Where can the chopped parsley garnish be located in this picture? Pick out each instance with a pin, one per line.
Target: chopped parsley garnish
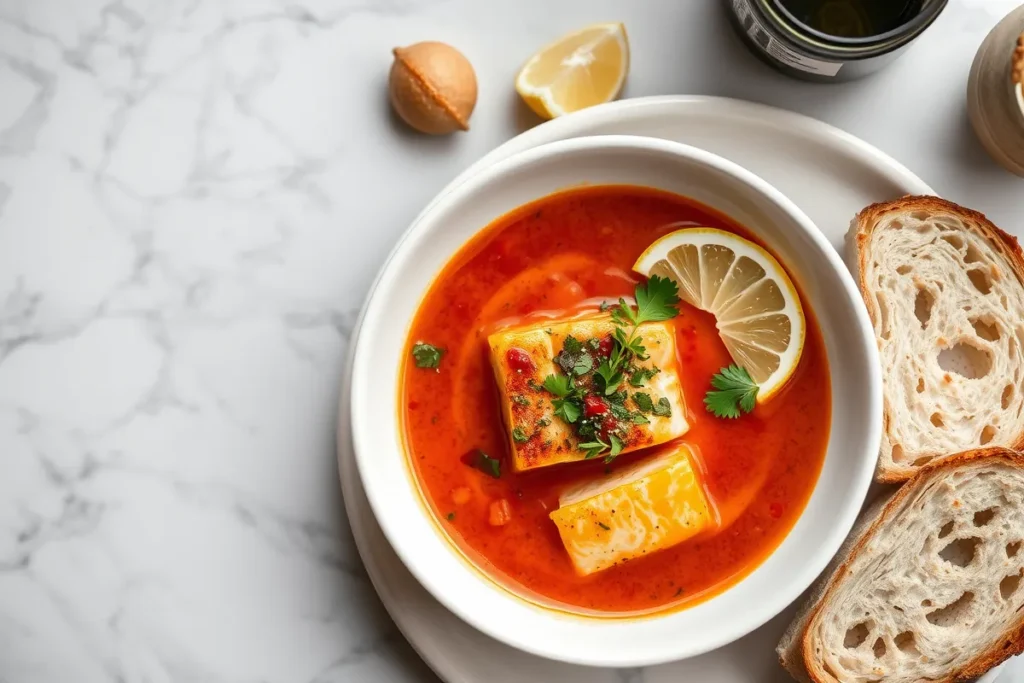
(641, 375)
(544, 422)
(594, 448)
(591, 391)
(567, 410)
(519, 435)
(604, 526)
(486, 464)
(559, 385)
(427, 355)
(620, 412)
(663, 408)
(572, 346)
(643, 402)
(609, 376)
(584, 364)
(616, 448)
(735, 393)
(520, 399)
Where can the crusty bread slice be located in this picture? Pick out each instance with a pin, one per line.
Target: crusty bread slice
(945, 291)
(928, 585)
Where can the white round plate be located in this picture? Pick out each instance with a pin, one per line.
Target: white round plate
(829, 174)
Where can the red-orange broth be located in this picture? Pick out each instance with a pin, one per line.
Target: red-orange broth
(554, 255)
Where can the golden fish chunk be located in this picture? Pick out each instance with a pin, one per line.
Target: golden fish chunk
(647, 507)
(522, 357)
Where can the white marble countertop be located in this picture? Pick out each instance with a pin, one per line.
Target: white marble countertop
(194, 196)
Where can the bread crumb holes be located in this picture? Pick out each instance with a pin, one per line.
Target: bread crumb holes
(855, 636)
(951, 613)
(1009, 585)
(905, 643)
(961, 551)
(983, 517)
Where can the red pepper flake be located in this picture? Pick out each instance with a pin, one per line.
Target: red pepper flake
(519, 360)
(775, 510)
(593, 405)
(413, 405)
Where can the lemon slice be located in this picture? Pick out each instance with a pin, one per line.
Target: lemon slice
(579, 70)
(755, 304)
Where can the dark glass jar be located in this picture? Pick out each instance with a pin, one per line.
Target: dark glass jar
(831, 40)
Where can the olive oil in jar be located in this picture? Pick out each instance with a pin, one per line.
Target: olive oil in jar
(852, 18)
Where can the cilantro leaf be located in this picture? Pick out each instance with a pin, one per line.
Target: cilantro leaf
(559, 385)
(584, 364)
(656, 300)
(567, 409)
(486, 464)
(519, 435)
(663, 408)
(643, 402)
(616, 446)
(427, 355)
(735, 393)
(639, 419)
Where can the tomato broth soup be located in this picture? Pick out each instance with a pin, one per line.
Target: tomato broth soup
(558, 257)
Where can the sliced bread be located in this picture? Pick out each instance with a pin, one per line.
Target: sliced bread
(929, 584)
(945, 291)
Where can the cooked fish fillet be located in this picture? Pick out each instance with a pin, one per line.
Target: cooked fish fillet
(649, 506)
(537, 437)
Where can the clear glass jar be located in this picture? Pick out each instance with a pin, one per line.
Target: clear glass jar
(995, 92)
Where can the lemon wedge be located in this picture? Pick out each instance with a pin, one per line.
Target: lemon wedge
(579, 70)
(756, 307)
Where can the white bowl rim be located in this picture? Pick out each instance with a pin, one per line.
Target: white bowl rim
(759, 614)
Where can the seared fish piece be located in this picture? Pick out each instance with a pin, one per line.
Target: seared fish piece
(523, 357)
(649, 506)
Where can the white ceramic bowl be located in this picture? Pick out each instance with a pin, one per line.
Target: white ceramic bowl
(380, 351)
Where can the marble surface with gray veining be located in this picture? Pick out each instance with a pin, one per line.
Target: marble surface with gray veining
(194, 198)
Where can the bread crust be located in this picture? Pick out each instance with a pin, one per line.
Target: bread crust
(864, 225)
(795, 646)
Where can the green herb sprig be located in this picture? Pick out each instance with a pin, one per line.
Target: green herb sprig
(655, 301)
(735, 393)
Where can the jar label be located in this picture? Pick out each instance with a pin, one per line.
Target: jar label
(780, 51)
